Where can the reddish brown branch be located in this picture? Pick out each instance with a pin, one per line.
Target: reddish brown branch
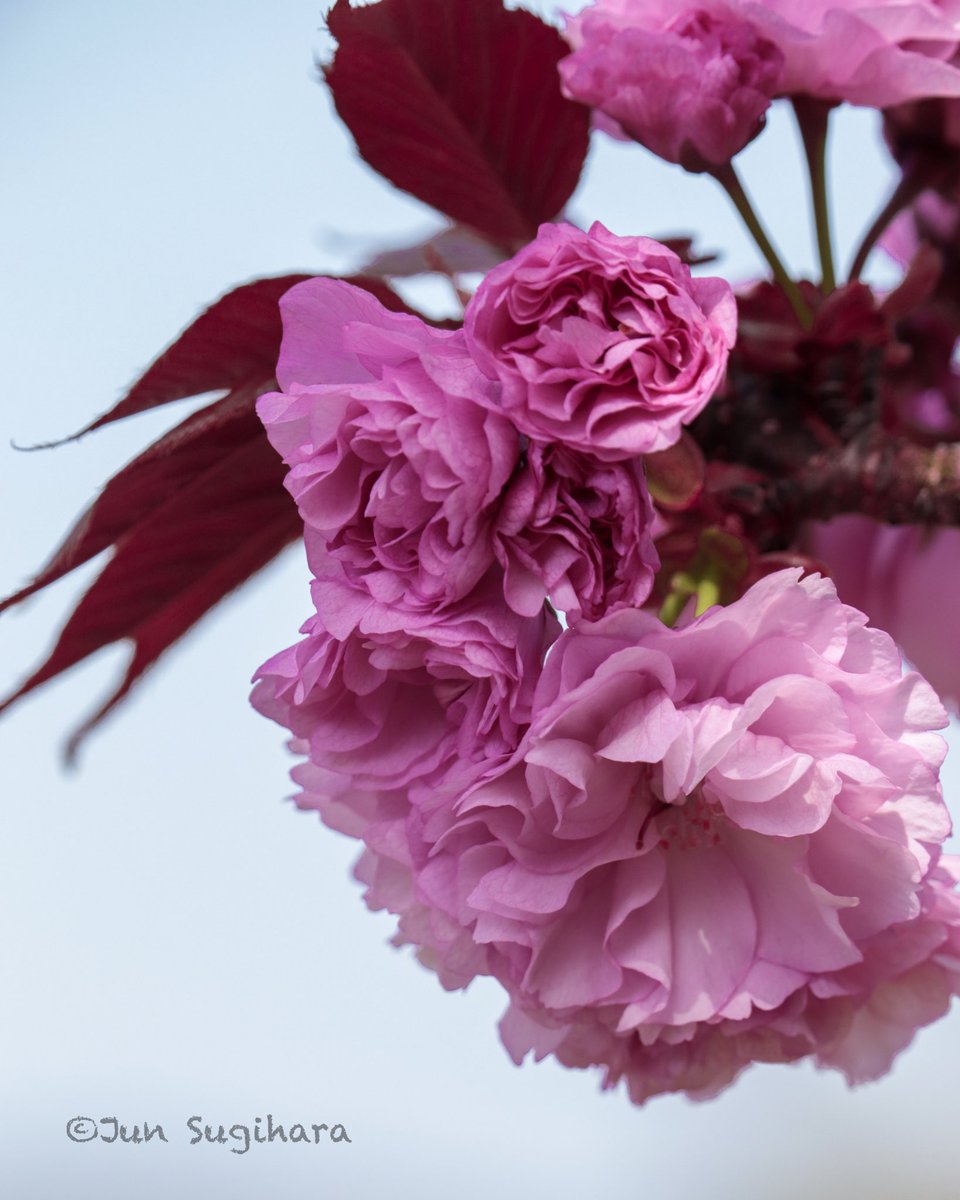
(876, 474)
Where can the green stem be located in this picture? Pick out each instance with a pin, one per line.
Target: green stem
(728, 179)
(813, 117)
(708, 589)
(910, 186)
(673, 606)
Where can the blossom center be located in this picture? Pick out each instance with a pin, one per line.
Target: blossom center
(691, 823)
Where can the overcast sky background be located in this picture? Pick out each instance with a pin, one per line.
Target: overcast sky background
(177, 939)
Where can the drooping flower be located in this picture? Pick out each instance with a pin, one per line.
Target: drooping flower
(398, 454)
(605, 344)
(902, 577)
(715, 845)
(874, 53)
(690, 85)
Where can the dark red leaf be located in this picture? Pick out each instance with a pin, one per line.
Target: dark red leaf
(171, 622)
(190, 448)
(208, 537)
(237, 338)
(459, 103)
(195, 514)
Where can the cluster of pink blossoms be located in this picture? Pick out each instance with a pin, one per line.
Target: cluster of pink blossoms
(679, 849)
(697, 822)
(693, 82)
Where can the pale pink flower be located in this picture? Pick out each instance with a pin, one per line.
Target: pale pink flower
(605, 344)
(714, 845)
(690, 85)
(874, 53)
(902, 577)
(857, 1022)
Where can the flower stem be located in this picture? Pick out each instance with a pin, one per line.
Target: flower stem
(673, 606)
(813, 117)
(708, 589)
(728, 179)
(909, 187)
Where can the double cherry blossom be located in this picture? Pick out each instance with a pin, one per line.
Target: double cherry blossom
(679, 848)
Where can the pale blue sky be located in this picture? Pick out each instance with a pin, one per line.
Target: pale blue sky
(177, 939)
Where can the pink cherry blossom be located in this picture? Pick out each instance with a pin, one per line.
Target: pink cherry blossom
(387, 703)
(415, 484)
(857, 1022)
(577, 530)
(875, 53)
(605, 344)
(396, 451)
(714, 845)
(690, 85)
(903, 577)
